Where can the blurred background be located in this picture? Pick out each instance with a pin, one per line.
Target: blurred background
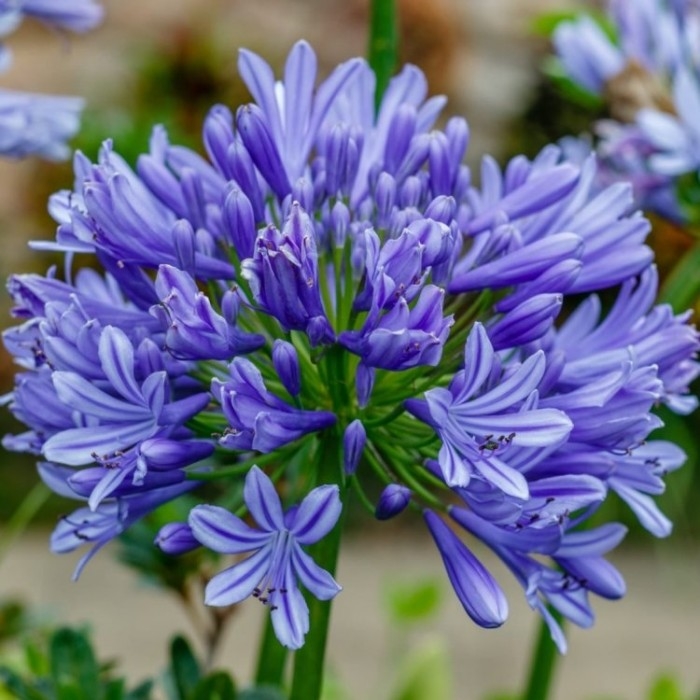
(168, 61)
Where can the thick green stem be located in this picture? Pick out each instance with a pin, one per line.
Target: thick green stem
(309, 660)
(544, 661)
(383, 43)
(272, 658)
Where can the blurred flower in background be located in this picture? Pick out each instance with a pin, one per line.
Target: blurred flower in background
(34, 124)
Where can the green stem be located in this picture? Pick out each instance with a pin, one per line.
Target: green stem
(272, 658)
(544, 661)
(23, 516)
(307, 681)
(383, 43)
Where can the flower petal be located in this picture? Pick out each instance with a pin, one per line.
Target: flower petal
(239, 581)
(317, 580)
(224, 532)
(262, 500)
(317, 515)
(290, 619)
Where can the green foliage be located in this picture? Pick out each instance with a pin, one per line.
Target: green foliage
(426, 674)
(413, 602)
(14, 619)
(186, 679)
(64, 667)
(667, 687)
(184, 669)
(545, 23)
(261, 693)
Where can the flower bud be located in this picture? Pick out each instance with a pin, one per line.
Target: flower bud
(392, 501)
(176, 538)
(286, 362)
(364, 383)
(354, 441)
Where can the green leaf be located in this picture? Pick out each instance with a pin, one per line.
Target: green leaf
(426, 674)
(12, 682)
(216, 686)
(665, 687)
(544, 24)
(74, 669)
(682, 287)
(415, 601)
(570, 91)
(261, 693)
(13, 619)
(184, 668)
(36, 658)
(141, 692)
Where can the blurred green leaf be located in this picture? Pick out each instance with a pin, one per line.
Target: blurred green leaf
(61, 665)
(74, 669)
(545, 23)
(261, 693)
(426, 674)
(13, 683)
(568, 89)
(414, 601)
(184, 668)
(141, 692)
(216, 686)
(665, 687)
(13, 619)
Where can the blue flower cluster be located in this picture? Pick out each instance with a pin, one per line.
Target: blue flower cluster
(32, 124)
(330, 293)
(648, 70)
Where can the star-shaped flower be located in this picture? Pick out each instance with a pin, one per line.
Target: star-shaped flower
(278, 562)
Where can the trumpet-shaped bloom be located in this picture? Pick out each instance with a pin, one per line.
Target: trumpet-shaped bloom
(277, 563)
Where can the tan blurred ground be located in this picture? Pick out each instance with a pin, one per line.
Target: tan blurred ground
(656, 627)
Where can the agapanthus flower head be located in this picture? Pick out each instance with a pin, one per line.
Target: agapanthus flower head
(332, 295)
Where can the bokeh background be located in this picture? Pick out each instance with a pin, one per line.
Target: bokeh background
(168, 61)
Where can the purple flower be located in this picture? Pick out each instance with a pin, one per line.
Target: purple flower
(73, 15)
(283, 276)
(193, 329)
(476, 423)
(258, 419)
(388, 307)
(109, 519)
(278, 563)
(37, 124)
(119, 415)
